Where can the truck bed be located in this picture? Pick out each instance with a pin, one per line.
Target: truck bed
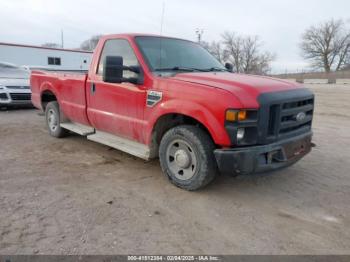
(67, 85)
(62, 71)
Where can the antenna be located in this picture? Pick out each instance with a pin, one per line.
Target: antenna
(162, 18)
(161, 33)
(62, 43)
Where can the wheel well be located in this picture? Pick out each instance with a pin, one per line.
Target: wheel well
(168, 121)
(46, 97)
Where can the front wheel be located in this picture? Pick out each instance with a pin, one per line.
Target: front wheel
(52, 115)
(187, 158)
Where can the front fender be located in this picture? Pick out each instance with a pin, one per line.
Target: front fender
(193, 110)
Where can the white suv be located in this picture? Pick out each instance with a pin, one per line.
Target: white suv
(14, 85)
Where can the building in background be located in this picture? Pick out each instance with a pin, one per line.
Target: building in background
(44, 57)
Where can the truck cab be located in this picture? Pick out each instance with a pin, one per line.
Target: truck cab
(154, 96)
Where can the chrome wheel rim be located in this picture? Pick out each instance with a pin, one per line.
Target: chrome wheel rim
(52, 120)
(182, 161)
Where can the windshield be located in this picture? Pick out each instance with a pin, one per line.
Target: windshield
(11, 71)
(163, 54)
(8, 65)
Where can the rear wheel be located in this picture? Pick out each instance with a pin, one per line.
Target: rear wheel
(187, 158)
(52, 114)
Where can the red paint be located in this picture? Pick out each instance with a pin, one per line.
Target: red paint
(121, 108)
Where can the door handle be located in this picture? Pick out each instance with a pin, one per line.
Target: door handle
(92, 88)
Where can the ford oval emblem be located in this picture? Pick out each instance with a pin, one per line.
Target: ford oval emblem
(300, 116)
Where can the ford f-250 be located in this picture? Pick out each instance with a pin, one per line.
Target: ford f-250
(153, 96)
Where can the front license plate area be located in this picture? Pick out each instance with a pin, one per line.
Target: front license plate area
(297, 148)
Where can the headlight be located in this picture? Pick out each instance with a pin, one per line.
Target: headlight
(242, 126)
(2, 87)
(240, 133)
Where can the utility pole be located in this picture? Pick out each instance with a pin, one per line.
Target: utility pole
(199, 33)
(62, 42)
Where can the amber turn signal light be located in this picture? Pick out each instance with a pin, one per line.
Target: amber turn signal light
(231, 115)
(242, 115)
(234, 115)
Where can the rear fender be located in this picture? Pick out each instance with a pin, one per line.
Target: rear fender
(44, 87)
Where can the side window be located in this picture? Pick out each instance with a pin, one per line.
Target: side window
(53, 60)
(57, 61)
(118, 47)
(50, 60)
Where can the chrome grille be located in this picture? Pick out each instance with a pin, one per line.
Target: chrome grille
(20, 96)
(290, 116)
(290, 112)
(284, 114)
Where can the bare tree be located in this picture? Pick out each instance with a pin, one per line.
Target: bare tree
(327, 45)
(90, 43)
(216, 49)
(51, 45)
(205, 44)
(245, 54)
(233, 49)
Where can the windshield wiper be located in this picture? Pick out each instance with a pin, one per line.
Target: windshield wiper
(180, 68)
(212, 69)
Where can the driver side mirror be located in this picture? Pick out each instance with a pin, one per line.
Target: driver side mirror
(229, 67)
(113, 69)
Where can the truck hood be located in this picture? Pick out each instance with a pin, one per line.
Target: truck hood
(245, 87)
(14, 81)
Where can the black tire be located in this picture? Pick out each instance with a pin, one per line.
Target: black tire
(200, 147)
(52, 114)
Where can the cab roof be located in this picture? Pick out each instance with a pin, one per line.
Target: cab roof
(133, 35)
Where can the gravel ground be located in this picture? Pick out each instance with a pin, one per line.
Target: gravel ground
(73, 196)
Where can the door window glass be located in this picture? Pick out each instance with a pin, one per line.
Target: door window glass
(119, 47)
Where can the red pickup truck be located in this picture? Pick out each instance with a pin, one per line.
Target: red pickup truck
(153, 96)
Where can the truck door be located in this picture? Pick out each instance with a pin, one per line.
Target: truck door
(116, 108)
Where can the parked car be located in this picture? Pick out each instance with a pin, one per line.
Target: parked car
(34, 67)
(163, 97)
(14, 85)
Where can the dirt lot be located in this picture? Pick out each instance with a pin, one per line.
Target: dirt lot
(73, 196)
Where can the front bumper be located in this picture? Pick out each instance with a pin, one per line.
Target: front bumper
(256, 159)
(15, 97)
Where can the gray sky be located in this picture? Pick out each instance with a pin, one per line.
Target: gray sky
(279, 23)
